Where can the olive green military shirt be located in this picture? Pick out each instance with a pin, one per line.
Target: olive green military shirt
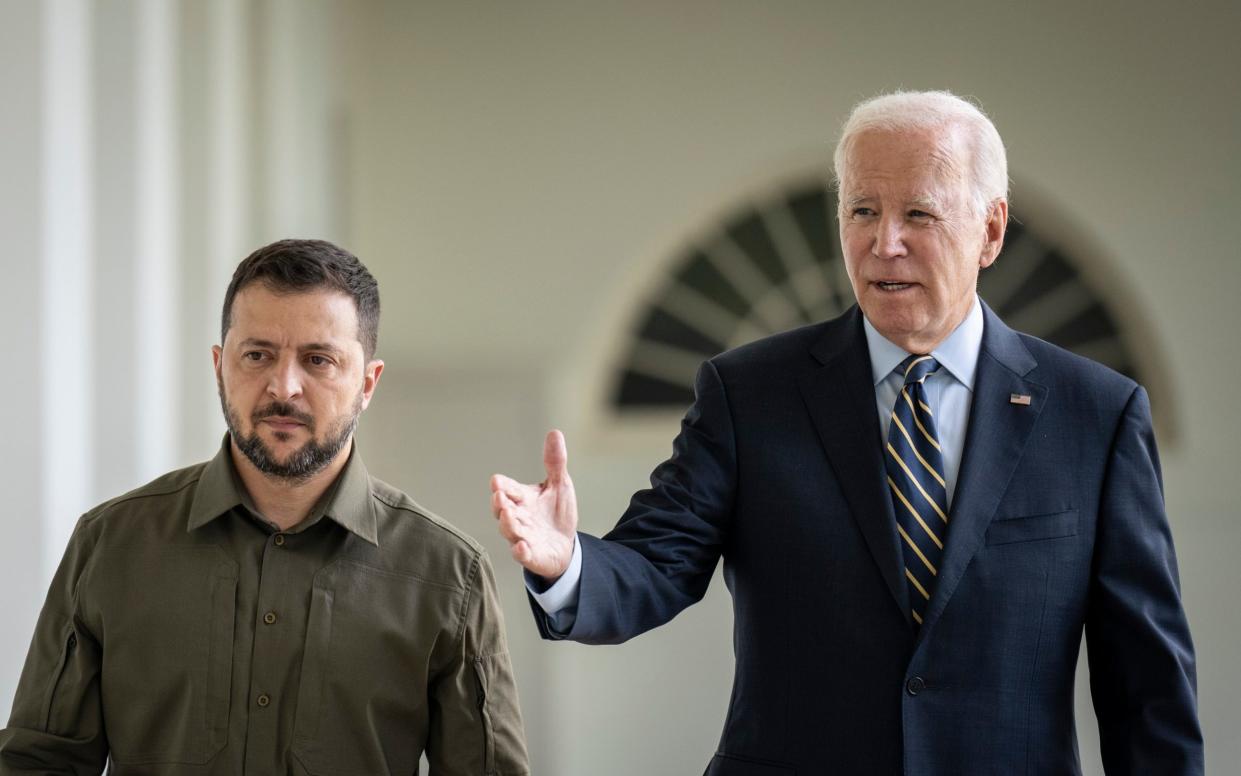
(183, 634)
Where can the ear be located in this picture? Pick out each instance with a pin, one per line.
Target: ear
(997, 222)
(370, 379)
(217, 360)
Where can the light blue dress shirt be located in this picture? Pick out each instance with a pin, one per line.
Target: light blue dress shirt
(948, 391)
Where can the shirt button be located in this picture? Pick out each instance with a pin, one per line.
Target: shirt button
(264, 700)
(270, 618)
(915, 685)
(279, 540)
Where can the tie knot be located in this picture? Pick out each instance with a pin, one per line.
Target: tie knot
(917, 368)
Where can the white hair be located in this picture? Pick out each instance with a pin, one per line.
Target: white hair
(913, 111)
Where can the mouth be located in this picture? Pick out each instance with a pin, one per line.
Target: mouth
(893, 286)
(283, 424)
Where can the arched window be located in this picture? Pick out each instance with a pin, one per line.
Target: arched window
(774, 263)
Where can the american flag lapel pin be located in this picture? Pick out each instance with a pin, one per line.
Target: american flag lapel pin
(1019, 398)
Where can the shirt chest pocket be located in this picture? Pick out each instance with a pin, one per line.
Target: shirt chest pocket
(372, 639)
(167, 619)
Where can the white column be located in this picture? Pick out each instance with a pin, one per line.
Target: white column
(227, 205)
(66, 214)
(230, 192)
(21, 395)
(155, 223)
(301, 153)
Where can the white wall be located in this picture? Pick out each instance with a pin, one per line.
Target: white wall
(21, 588)
(516, 174)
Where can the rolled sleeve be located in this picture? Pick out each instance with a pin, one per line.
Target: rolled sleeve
(57, 720)
(476, 725)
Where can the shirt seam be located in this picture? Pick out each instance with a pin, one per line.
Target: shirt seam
(439, 523)
(466, 600)
(108, 506)
(404, 575)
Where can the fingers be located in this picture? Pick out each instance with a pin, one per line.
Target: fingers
(506, 505)
(515, 532)
(512, 520)
(555, 456)
(501, 482)
(511, 488)
(526, 515)
(510, 528)
(500, 498)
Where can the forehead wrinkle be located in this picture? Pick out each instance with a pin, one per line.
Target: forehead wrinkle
(949, 154)
(945, 165)
(942, 152)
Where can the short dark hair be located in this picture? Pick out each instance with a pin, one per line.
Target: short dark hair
(291, 266)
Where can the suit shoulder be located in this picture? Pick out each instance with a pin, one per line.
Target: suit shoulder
(1067, 365)
(168, 487)
(1087, 383)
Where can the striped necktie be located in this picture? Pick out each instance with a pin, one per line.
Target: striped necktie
(915, 467)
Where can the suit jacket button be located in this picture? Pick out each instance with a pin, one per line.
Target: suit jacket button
(915, 685)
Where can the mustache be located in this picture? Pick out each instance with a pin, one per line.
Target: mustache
(285, 411)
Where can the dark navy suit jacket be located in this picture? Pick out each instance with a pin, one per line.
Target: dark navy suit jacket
(1057, 524)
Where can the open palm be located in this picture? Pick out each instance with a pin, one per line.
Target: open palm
(539, 521)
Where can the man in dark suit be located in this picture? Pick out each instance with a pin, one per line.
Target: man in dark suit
(919, 509)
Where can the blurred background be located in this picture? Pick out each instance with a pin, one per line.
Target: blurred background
(568, 205)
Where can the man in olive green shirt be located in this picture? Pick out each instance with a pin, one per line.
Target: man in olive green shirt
(275, 610)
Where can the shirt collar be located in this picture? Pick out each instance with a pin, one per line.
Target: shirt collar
(958, 353)
(348, 502)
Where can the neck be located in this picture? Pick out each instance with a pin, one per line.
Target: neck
(286, 502)
(916, 346)
(923, 344)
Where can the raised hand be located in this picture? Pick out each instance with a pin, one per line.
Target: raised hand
(539, 521)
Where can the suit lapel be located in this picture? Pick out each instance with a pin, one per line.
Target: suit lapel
(840, 398)
(997, 435)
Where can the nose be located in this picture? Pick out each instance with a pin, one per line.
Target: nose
(285, 380)
(889, 237)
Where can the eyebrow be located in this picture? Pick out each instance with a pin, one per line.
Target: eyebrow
(326, 347)
(926, 200)
(922, 200)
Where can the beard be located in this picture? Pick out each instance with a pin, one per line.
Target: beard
(304, 462)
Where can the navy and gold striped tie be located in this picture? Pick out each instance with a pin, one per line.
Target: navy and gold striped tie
(915, 467)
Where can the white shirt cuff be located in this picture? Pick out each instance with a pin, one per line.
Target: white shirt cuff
(563, 593)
